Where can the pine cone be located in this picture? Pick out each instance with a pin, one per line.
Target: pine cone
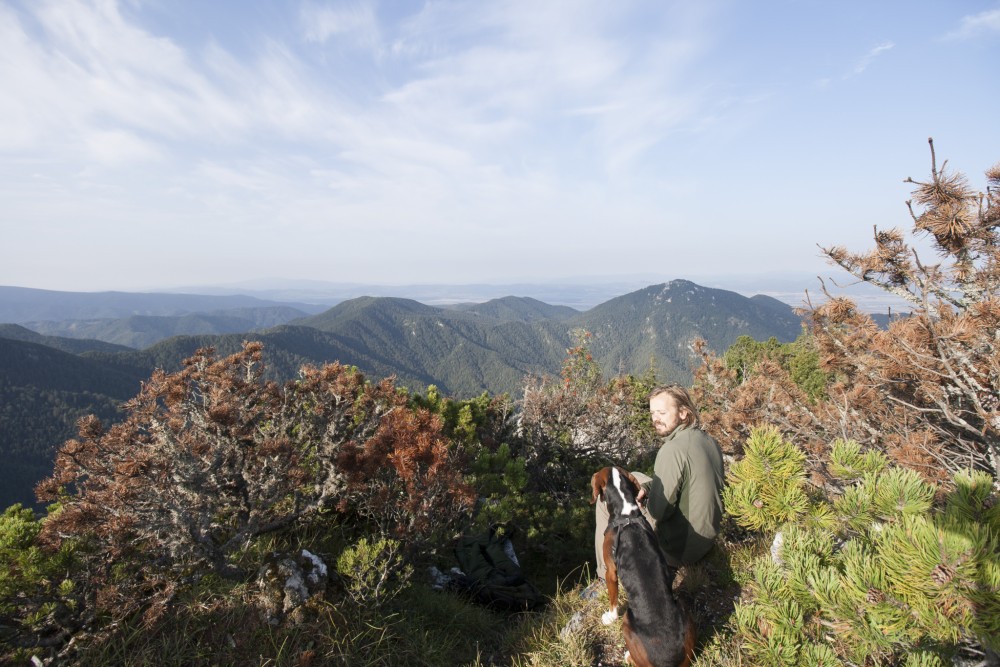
(942, 574)
(874, 596)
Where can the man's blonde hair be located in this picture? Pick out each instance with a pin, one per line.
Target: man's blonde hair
(682, 399)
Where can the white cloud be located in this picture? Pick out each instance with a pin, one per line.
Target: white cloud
(488, 73)
(92, 73)
(863, 64)
(984, 23)
(354, 23)
(473, 81)
(117, 147)
(518, 127)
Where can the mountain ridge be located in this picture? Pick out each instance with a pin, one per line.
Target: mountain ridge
(491, 347)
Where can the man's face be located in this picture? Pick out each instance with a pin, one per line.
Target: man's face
(666, 416)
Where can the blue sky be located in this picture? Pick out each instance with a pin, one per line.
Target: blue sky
(156, 143)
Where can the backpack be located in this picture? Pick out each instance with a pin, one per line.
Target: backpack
(492, 573)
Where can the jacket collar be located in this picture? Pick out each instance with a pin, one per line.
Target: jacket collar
(673, 434)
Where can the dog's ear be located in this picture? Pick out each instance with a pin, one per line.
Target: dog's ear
(631, 477)
(597, 484)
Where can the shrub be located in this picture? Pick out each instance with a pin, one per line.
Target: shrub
(888, 574)
(569, 428)
(403, 481)
(374, 572)
(212, 458)
(766, 489)
(800, 359)
(929, 386)
(39, 602)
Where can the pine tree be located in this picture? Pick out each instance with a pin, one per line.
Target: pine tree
(930, 384)
(926, 390)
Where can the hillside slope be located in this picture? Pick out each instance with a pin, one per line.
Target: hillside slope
(43, 392)
(519, 309)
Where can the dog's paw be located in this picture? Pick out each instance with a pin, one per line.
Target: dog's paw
(628, 658)
(609, 617)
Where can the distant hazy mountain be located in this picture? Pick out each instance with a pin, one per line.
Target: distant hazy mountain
(21, 304)
(141, 331)
(71, 345)
(464, 350)
(579, 293)
(480, 347)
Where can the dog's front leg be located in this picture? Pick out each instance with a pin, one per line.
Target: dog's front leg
(611, 579)
(635, 652)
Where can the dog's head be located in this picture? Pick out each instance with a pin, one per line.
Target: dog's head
(617, 488)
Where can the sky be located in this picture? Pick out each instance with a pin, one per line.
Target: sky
(150, 144)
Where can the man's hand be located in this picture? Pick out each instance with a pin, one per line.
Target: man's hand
(641, 496)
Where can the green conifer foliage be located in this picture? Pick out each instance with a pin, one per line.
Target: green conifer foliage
(37, 600)
(766, 488)
(898, 572)
(973, 500)
(800, 359)
(501, 480)
(849, 462)
(374, 571)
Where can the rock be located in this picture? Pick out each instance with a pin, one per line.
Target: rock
(776, 545)
(574, 625)
(287, 582)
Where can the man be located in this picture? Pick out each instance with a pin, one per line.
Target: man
(683, 499)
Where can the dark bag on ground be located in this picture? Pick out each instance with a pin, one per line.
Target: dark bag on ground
(492, 573)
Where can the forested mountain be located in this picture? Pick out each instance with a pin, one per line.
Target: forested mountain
(43, 392)
(463, 350)
(657, 325)
(520, 309)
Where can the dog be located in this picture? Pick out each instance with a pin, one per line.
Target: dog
(657, 634)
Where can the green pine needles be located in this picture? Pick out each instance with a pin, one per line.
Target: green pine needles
(897, 571)
(767, 488)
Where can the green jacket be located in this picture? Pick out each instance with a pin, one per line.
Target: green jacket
(685, 494)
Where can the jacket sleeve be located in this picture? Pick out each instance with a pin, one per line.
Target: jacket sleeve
(669, 472)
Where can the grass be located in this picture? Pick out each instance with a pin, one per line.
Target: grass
(219, 623)
(425, 627)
